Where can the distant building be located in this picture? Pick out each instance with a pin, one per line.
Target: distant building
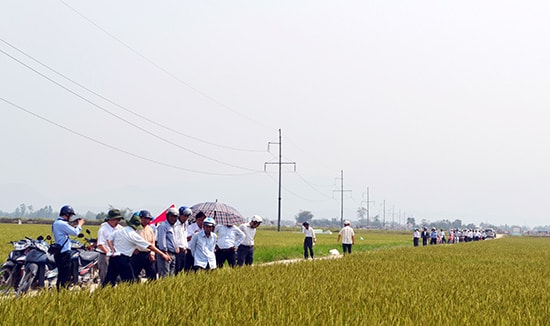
(516, 231)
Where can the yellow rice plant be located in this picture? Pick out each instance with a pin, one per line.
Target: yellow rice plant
(493, 282)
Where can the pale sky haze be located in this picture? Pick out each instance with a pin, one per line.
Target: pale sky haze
(440, 108)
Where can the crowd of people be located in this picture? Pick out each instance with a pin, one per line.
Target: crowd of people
(434, 236)
(157, 250)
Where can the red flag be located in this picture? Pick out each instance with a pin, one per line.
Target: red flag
(162, 217)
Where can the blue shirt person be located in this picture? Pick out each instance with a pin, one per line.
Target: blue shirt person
(62, 230)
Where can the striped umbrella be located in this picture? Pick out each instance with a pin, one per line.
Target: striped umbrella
(222, 213)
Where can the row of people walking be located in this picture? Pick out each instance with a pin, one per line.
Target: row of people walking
(439, 237)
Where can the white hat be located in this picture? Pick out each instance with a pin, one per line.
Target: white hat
(347, 222)
(174, 211)
(257, 218)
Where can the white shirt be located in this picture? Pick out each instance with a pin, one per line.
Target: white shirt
(192, 229)
(229, 236)
(249, 234)
(126, 240)
(104, 233)
(180, 232)
(202, 249)
(309, 233)
(347, 233)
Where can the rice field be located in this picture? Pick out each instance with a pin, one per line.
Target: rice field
(491, 282)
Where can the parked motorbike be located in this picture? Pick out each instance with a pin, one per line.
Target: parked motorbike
(12, 269)
(39, 266)
(84, 260)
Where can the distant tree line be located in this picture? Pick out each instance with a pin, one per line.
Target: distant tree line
(377, 222)
(47, 212)
(27, 211)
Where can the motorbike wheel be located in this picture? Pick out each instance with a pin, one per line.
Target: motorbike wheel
(6, 280)
(26, 280)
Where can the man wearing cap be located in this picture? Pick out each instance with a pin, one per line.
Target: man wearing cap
(191, 230)
(61, 230)
(166, 241)
(245, 252)
(202, 245)
(348, 237)
(106, 230)
(144, 258)
(181, 238)
(123, 243)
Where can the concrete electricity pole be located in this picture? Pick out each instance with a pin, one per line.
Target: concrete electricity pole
(341, 191)
(280, 163)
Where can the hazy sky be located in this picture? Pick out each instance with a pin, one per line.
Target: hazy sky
(440, 108)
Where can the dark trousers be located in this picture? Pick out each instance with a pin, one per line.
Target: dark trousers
(346, 247)
(198, 268)
(63, 262)
(245, 255)
(119, 266)
(433, 241)
(141, 261)
(181, 257)
(415, 242)
(226, 254)
(308, 246)
(189, 261)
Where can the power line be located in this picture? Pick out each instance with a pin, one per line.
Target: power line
(312, 185)
(122, 107)
(122, 119)
(136, 52)
(116, 148)
(297, 195)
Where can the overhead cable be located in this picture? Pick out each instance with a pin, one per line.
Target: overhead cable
(119, 149)
(136, 52)
(122, 107)
(296, 195)
(124, 120)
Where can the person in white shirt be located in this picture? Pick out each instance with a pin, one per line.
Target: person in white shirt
(230, 238)
(245, 252)
(348, 237)
(193, 228)
(123, 243)
(202, 246)
(416, 237)
(309, 240)
(180, 230)
(105, 231)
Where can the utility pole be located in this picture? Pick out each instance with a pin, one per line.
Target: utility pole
(368, 201)
(341, 191)
(384, 214)
(280, 163)
(392, 215)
